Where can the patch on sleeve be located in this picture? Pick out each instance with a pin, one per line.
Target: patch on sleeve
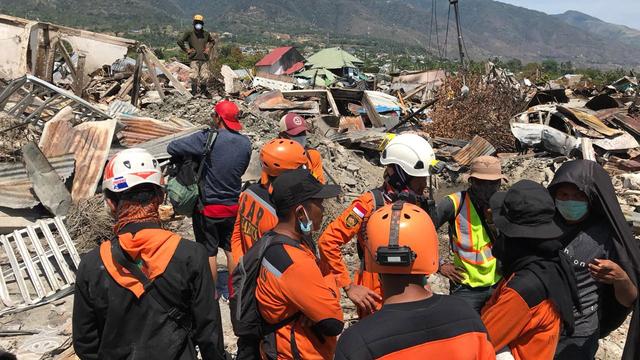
(357, 214)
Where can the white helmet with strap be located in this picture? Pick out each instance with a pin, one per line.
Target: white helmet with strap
(411, 152)
(130, 168)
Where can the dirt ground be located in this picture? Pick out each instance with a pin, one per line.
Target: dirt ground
(48, 327)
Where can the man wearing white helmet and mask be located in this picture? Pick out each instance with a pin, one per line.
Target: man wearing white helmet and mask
(146, 293)
(408, 158)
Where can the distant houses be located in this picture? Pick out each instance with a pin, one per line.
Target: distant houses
(281, 61)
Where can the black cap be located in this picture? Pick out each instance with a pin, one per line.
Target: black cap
(527, 210)
(294, 187)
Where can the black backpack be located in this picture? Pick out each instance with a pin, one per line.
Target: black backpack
(248, 321)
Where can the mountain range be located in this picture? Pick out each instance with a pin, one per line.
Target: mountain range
(490, 28)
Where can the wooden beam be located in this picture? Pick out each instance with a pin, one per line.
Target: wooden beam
(67, 59)
(176, 84)
(136, 81)
(152, 73)
(79, 82)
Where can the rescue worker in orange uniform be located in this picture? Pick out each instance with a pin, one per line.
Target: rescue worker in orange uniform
(538, 291)
(257, 214)
(413, 323)
(294, 127)
(290, 284)
(407, 158)
(147, 293)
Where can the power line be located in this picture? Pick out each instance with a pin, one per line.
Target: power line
(446, 37)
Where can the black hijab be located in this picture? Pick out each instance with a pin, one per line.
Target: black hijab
(594, 181)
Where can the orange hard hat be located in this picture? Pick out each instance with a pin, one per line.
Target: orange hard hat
(279, 155)
(401, 239)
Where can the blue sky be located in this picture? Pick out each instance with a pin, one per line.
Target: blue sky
(624, 12)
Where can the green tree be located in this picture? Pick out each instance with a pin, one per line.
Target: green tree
(550, 67)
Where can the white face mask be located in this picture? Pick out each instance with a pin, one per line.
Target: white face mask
(198, 27)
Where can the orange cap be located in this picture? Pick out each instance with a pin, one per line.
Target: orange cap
(279, 155)
(401, 239)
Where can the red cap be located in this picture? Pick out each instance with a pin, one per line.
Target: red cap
(293, 124)
(228, 111)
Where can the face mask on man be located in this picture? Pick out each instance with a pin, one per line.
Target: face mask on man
(483, 192)
(198, 26)
(301, 139)
(572, 210)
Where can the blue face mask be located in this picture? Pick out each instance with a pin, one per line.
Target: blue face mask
(572, 210)
(198, 26)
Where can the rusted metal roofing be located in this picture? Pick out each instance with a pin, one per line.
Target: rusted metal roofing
(138, 130)
(629, 123)
(15, 186)
(477, 147)
(158, 147)
(90, 142)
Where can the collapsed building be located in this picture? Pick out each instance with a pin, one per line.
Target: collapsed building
(70, 99)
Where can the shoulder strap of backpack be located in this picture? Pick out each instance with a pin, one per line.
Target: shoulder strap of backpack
(211, 139)
(149, 287)
(378, 198)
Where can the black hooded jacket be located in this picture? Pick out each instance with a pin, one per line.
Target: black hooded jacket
(593, 180)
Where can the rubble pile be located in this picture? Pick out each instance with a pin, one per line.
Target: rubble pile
(484, 110)
(14, 138)
(89, 223)
(59, 127)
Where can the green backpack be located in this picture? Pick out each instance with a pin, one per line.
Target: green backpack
(184, 185)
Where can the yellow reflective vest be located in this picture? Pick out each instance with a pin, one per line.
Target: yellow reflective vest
(471, 244)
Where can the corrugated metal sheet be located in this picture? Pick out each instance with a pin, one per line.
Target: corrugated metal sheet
(90, 142)
(138, 130)
(629, 123)
(15, 186)
(589, 120)
(477, 147)
(158, 147)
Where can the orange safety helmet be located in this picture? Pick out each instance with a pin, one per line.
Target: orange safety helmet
(401, 239)
(279, 155)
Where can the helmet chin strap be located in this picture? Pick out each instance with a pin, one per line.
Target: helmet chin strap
(399, 180)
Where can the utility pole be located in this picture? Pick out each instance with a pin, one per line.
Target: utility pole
(460, 49)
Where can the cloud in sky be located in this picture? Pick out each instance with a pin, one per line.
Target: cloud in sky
(624, 12)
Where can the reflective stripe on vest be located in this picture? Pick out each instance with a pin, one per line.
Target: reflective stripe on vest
(472, 244)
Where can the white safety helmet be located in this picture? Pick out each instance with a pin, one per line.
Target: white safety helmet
(130, 168)
(411, 152)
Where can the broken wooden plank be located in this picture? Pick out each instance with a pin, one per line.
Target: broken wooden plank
(176, 84)
(152, 73)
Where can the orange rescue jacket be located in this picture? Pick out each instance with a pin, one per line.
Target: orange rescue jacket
(256, 216)
(291, 283)
(338, 233)
(520, 315)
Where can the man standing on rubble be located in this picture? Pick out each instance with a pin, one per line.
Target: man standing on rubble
(408, 158)
(196, 43)
(414, 323)
(294, 127)
(473, 272)
(146, 293)
(222, 179)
